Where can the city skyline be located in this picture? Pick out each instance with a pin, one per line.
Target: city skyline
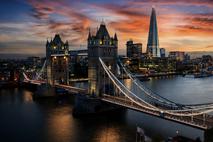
(25, 26)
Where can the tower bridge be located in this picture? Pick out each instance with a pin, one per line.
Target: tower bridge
(105, 85)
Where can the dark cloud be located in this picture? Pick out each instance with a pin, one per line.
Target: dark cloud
(209, 46)
(76, 21)
(206, 20)
(207, 3)
(194, 30)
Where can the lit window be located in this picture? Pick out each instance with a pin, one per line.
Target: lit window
(110, 67)
(101, 42)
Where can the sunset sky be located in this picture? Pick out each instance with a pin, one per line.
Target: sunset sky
(185, 25)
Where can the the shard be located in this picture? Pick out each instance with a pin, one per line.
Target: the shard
(153, 49)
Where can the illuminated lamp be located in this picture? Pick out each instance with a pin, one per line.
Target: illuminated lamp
(110, 67)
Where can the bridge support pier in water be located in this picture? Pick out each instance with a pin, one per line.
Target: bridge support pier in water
(208, 135)
(44, 91)
(88, 105)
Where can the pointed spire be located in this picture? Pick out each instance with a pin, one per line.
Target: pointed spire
(89, 35)
(66, 42)
(153, 30)
(115, 37)
(57, 37)
(102, 32)
(102, 22)
(153, 43)
(47, 43)
(153, 7)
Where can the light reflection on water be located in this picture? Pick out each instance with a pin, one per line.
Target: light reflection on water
(59, 124)
(27, 97)
(108, 134)
(128, 83)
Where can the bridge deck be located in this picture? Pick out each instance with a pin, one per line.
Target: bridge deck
(197, 121)
(69, 88)
(72, 88)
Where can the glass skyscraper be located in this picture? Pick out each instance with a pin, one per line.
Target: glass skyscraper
(153, 49)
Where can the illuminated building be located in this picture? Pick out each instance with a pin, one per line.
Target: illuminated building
(134, 50)
(57, 60)
(104, 46)
(162, 52)
(177, 55)
(153, 43)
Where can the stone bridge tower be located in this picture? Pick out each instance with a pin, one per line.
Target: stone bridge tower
(57, 59)
(106, 47)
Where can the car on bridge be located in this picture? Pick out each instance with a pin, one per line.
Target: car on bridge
(161, 113)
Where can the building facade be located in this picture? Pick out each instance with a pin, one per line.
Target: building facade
(134, 50)
(162, 52)
(57, 60)
(177, 55)
(153, 49)
(104, 46)
(78, 63)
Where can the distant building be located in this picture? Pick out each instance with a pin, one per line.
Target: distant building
(34, 62)
(77, 52)
(57, 60)
(162, 52)
(207, 58)
(153, 42)
(134, 50)
(106, 47)
(177, 55)
(78, 63)
(186, 57)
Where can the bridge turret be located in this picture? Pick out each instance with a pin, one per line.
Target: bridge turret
(115, 37)
(89, 35)
(47, 43)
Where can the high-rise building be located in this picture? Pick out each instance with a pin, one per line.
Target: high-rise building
(162, 52)
(177, 55)
(57, 60)
(153, 43)
(104, 46)
(134, 50)
(186, 57)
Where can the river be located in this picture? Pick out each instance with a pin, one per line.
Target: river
(24, 120)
